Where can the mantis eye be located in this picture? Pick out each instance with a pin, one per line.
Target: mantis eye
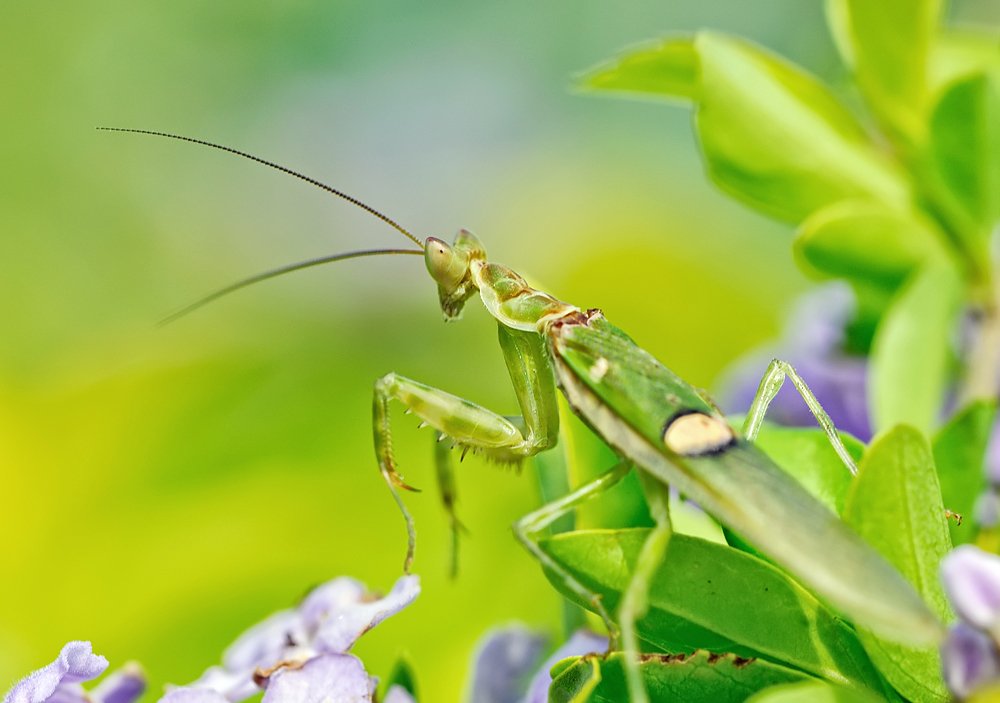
(446, 266)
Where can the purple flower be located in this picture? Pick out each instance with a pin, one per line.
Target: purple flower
(302, 648)
(398, 694)
(187, 694)
(813, 344)
(969, 659)
(509, 667)
(59, 682)
(971, 579)
(969, 656)
(504, 663)
(327, 678)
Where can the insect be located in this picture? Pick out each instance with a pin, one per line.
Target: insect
(657, 423)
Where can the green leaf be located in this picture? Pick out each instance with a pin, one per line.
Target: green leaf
(965, 148)
(709, 596)
(774, 136)
(959, 452)
(865, 241)
(574, 679)
(806, 454)
(887, 43)
(895, 504)
(911, 350)
(665, 69)
(961, 51)
(695, 678)
(811, 692)
(402, 675)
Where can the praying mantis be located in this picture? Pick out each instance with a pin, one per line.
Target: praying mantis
(659, 425)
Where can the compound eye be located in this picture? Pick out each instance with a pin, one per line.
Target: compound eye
(445, 265)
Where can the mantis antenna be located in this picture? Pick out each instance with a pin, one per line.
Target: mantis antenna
(340, 194)
(281, 270)
(289, 267)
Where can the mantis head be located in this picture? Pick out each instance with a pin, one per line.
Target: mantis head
(451, 268)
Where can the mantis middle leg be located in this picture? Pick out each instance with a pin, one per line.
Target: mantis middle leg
(528, 529)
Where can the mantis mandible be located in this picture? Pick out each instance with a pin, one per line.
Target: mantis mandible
(657, 423)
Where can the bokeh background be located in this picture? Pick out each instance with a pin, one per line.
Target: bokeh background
(163, 488)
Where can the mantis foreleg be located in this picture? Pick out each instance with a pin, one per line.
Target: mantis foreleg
(531, 525)
(462, 423)
(769, 386)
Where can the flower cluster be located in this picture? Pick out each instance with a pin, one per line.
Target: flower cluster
(298, 655)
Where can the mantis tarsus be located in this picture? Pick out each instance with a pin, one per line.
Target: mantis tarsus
(657, 423)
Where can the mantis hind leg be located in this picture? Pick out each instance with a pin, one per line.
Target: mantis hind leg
(528, 529)
(635, 600)
(770, 384)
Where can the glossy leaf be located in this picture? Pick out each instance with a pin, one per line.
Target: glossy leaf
(887, 43)
(709, 596)
(958, 52)
(864, 240)
(959, 452)
(695, 678)
(895, 503)
(574, 680)
(812, 692)
(666, 69)
(774, 136)
(965, 146)
(911, 350)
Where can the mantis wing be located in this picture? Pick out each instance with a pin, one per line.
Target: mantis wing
(629, 398)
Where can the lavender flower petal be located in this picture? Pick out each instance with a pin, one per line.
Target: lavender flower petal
(987, 510)
(232, 685)
(582, 642)
(193, 694)
(123, 685)
(398, 694)
(969, 659)
(75, 663)
(971, 579)
(263, 644)
(341, 611)
(506, 660)
(993, 457)
(328, 678)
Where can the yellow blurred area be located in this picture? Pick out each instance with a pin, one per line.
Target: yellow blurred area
(164, 488)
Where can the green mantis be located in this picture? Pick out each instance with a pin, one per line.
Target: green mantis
(658, 424)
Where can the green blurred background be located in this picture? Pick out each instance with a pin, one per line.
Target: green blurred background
(165, 488)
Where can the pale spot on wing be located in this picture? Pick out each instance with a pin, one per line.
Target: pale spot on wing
(599, 370)
(694, 434)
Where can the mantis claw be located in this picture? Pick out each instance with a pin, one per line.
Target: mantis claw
(398, 482)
